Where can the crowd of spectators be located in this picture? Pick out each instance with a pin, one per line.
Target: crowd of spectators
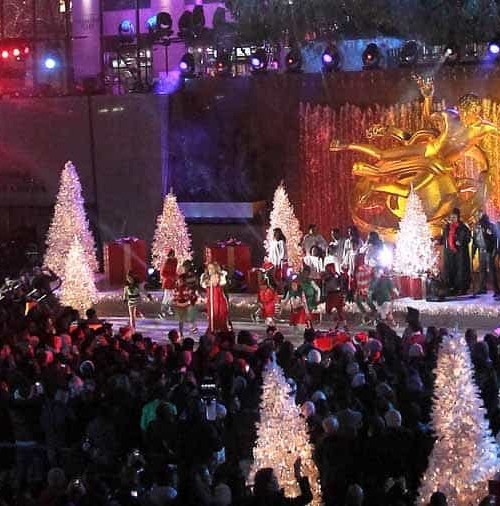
(92, 415)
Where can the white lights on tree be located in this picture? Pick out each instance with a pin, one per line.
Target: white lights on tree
(171, 233)
(414, 253)
(465, 455)
(78, 288)
(69, 221)
(282, 216)
(282, 436)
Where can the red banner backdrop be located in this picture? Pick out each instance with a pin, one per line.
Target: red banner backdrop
(326, 177)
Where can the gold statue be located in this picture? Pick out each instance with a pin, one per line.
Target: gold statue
(425, 161)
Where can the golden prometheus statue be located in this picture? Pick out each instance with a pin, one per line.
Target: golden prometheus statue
(424, 160)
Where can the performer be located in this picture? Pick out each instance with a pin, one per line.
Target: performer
(266, 299)
(296, 299)
(335, 286)
(278, 255)
(132, 296)
(484, 241)
(168, 275)
(336, 247)
(314, 261)
(457, 269)
(184, 298)
(350, 256)
(213, 281)
(310, 288)
(372, 249)
(313, 238)
(381, 294)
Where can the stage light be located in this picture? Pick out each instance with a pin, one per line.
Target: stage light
(385, 257)
(187, 66)
(330, 59)
(371, 56)
(451, 53)
(409, 53)
(164, 21)
(126, 30)
(50, 63)
(258, 61)
(16, 52)
(26, 50)
(293, 60)
(494, 47)
(151, 24)
(5, 54)
(223, 65)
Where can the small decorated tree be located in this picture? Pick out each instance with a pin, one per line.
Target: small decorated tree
(78, 288)
(171, 233)
(414, 253)
(282, 436)
(69, 221)
(282, 216)
(465, 455)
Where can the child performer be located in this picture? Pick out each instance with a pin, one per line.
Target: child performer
(168, 276)
(266, 299)
(132, 296)
(381, 294)
(296, 298)
(183, 299)
(335, 287)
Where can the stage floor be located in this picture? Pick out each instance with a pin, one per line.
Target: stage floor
(481, 312)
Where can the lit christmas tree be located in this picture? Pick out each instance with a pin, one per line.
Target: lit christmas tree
(465, 455)
(282, 436)
(282, 216)
(171, 233)
(78, 288)
(69, 221)
(414, 253)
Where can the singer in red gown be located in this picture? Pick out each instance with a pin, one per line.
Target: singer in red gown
(213, 281)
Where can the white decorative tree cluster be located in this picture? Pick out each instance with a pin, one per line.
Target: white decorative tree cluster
(414, 253)
(282, 436)
(171, 233)
(69, 221)
(282, 216)
(78, 289)
(465, 455)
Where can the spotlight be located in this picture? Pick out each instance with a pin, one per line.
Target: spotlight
(5, 54)
(223, 65)
(451, 53)
(258, 61)
(293, 60)
(16, 52)
(186, 65)
(371, 56)
(50, 63)
(164, 21)
(494, 47)
(330, 59)
(126, 31)
(409, 53)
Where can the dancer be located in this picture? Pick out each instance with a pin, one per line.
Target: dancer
(335, 287)
(372, 249)
(184, 298)
(313, 238)
(455, 238)
(213, 281)
(350, 257)
(314, 261)
(266, 300)
(381, 294)
(484, 241)
(296, 299)
(168, 275)
(132, 296)
(278, 255)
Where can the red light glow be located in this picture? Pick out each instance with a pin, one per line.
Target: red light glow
(26, 50)
(16, 52)
(5, 54)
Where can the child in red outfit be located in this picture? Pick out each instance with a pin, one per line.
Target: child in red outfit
(266, 299)
(168, 274)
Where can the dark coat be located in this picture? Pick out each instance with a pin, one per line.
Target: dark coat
(457, 266)
(279, 499)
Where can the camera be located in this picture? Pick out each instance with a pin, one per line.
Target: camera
(209, 395)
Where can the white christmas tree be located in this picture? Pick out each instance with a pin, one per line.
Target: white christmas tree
(282, 216)
(282, 436)
(69, 221)
(414, 253)
(465, 455)
(78, 288)
(171, 233)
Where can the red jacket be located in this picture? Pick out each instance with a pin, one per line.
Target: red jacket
(267, 299)
(168, 273)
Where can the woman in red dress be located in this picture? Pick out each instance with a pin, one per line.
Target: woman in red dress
(213, 281)
(168, 274)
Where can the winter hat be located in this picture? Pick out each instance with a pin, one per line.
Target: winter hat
(308, 409)
(239, 384)
(87, 368)
(330, 424)
(354, 495)
(393, 418)
(314, 357)
(383, 390)
(374, 345)
(415, 351)
(358, 380)
(222, 495)
(348, 418)
(161, 496)
(56, 478)
(349, 348)
(319, 395)
(415, 383)
(352, 369)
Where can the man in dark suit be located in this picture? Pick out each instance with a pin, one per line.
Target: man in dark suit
(457, 269)
(484, 241)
